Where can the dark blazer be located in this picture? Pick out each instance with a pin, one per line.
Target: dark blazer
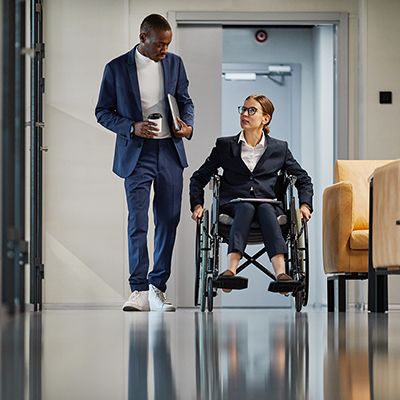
(119, 106)
(238, 181)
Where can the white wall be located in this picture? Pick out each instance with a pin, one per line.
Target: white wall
(84, 203)
(85, 212)
(382, 58)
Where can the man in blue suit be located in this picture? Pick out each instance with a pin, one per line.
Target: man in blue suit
(134, 86)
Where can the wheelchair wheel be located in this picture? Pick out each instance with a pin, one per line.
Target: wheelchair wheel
(306, 264)
(204, 260)
(300, 259)
(210, 293)
(299, 300)
(303, 263)
(197, 263)
(303, 260)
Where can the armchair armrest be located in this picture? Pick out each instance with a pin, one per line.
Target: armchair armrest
(337, 225)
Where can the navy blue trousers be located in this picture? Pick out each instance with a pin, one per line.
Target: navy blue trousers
(159, 166)
(243, 215)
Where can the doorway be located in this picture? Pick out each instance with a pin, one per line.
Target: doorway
(313, 131)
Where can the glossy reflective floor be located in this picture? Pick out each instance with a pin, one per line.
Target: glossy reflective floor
(228, 354)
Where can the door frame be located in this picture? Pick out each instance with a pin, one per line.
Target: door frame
(340, 21)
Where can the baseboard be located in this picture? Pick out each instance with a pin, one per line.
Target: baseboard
(82, 306)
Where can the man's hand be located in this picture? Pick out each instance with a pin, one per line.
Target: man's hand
(184, 131)
(305, 212)
(146, 129)
(197, 212)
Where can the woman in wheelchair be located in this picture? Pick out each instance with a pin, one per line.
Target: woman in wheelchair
(251, 162)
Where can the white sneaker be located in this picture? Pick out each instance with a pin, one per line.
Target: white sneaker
(158, 301)
(137, 301)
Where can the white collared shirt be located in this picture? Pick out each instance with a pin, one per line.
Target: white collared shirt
(251, 155)
(151, 86)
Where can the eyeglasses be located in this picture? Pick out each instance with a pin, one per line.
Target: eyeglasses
(250, 110)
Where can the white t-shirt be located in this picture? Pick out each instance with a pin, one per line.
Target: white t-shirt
(151, 86)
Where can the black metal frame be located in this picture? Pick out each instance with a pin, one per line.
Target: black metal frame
(14, 246)
(208, 238)
(13, 150)
(341, 289)
(36, 162)
(377, 277)
(7, 168)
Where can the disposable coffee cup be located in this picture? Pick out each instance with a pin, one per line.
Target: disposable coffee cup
(157, 119)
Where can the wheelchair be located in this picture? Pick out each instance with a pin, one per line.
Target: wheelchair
(213, 229)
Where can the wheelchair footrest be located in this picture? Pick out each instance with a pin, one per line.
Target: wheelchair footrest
(231, 282)
(285, 286)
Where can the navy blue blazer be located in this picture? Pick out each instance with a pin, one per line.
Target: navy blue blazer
(119, 106)
(238, 181)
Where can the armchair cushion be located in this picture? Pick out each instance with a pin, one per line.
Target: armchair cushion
(358, 173)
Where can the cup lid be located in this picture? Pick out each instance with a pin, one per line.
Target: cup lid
(154, 116)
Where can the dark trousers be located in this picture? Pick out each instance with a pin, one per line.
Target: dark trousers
(141, 347)
(243, 215)
(158, 165)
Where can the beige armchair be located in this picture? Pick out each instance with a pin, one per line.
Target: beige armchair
(385, 257)
(345, 226)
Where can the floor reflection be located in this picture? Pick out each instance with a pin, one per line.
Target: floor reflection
(362, 357)
(150, 339)
(250, 359)
(21, 357)
(227, 354)
(346, 369)
(384, 356)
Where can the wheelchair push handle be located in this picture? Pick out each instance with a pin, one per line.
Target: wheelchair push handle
(214, 184)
